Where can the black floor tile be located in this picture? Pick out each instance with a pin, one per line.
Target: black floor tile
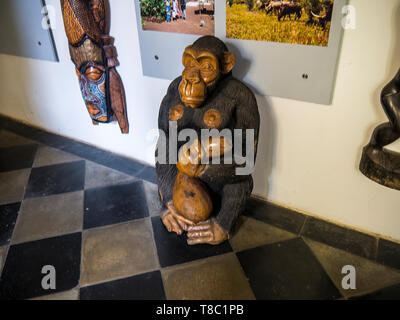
(349, 240)
(277, 216)
(55, 179)
(146, 286)
(102, 157)
(48, 138)
(173, 249)
(122, 164)
(22, 129)
(148, 174)
(389, 253)
(286, 270)
(390, 293)
(18, 157)
(8, 217)
(114, 204)
(83, 150)
(22, 274)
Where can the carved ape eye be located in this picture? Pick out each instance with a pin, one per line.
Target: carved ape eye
(208, 72)
(207, 66)
(93, 73)
(189, 61)
(192, 63)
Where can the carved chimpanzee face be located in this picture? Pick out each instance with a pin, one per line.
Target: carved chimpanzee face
(202, 71)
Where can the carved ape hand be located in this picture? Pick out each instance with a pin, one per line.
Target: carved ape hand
(208, 231)
(191, 159)
(173, 221)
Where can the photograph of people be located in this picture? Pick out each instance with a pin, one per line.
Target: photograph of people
(178, 16)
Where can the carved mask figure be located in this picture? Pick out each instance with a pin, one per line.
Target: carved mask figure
(92, 81)
(95, 57)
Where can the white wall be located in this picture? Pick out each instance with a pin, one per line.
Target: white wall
(308, 154)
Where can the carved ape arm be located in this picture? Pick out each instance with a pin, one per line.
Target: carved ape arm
(232, 206)
(247, 117)
(390, 99)
(166, 173)
(236, 188)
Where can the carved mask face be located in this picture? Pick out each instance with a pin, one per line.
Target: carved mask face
(92, 80)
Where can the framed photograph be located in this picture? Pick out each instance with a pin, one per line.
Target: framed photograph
(287, 49)
(178, 16)
(305, 22)
(166, 27)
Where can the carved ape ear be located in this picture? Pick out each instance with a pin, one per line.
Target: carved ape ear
(229, 61)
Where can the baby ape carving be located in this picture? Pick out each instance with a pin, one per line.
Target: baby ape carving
(205, 199)
(378, 164)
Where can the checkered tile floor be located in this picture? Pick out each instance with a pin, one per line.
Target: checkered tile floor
(100, 229)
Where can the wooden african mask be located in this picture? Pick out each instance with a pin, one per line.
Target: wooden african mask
(95, 57)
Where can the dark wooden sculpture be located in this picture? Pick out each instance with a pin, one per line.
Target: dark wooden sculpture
(95, 57)
(205, 199)
(377, 163)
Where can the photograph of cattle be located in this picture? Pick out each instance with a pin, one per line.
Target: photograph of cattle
(305, 22)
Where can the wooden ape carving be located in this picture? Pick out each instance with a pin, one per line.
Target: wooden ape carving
(205, 199)
(378, 164)
(95, 57)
